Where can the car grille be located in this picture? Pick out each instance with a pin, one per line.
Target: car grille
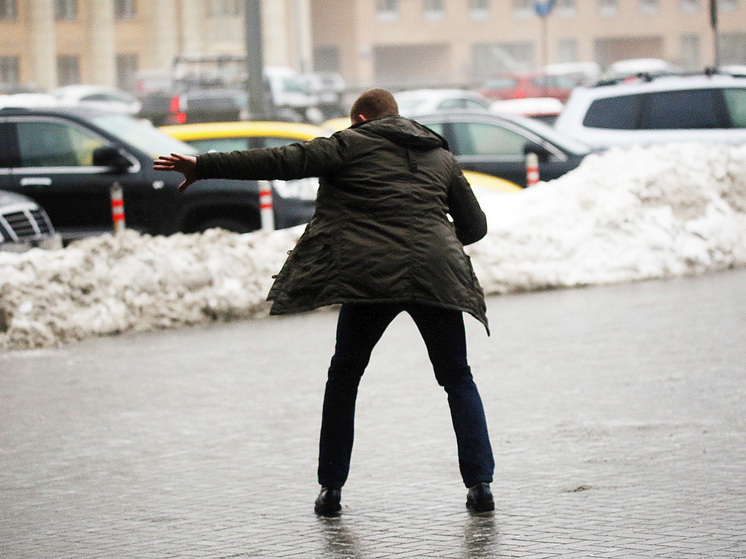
(24, 225)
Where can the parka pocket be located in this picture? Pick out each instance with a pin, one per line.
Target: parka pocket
(312, 266)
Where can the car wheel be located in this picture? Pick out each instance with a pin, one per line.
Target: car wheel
(233, 225)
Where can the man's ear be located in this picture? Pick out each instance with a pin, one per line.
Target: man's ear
(361, 118)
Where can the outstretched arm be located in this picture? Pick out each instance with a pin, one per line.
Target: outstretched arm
(184, 164)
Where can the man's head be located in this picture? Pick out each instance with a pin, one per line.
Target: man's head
(372, 104)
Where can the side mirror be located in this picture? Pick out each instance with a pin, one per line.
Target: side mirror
(532, 147)
(109, 156)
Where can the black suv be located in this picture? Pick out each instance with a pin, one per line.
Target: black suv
(68, 159)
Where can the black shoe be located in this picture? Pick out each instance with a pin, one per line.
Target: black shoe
(328, 502)
(479, 498)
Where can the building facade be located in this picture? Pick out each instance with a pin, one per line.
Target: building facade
(428, 42)
(395, 43)
(46, 43)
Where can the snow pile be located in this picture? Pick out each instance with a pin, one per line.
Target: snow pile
(622, 216)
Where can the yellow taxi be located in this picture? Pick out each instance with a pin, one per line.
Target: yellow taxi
(230, 136)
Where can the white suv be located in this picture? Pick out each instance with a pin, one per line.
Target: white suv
(703, 108)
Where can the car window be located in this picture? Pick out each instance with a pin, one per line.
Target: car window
(6, 137)
(616, 113)
(501, 83)
(479, 138)
(671, 110)
(219, 144)
(473, 105)
(436, 127)
(144, 137)
(55, 144)
(735, 100)
(448, 104)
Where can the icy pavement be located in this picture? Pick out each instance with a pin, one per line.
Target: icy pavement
(622, 216)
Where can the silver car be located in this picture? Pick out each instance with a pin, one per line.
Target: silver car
(24, 224)
(653, 110)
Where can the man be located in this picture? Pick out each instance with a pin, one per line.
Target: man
(380, 242)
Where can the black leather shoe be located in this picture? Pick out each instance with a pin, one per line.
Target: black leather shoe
(479, 498)
(328, 502)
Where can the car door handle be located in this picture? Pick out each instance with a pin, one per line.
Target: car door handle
(36, 181)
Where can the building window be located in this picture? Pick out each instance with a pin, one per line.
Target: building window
(225, 8)
(690, 55)
(479, 9)
(733, 48)
(490, 59)
(608, 8)
(567, 50)
(434, 10)
(387, 10)
(9, 74)
(688, 6)
(8, 10)
(65, 9)
(126, 71)
(566, 8)
(125, 9)
(68, 70)
(523, 8)
(649, 6)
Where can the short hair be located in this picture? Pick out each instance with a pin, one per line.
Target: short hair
(374, 103)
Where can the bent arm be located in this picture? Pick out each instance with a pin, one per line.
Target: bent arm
(468, 217)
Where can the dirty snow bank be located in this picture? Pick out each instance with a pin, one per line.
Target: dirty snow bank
(622, 216)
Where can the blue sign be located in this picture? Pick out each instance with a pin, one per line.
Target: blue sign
(543, 9)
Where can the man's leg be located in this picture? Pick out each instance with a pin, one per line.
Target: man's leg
(359, 328)
(445, 337)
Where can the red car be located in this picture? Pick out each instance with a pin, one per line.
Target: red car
(524, 85)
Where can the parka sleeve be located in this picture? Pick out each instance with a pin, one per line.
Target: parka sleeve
(468, 218)
(314, 158)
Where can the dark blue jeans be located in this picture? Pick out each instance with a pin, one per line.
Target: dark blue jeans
(360, 327)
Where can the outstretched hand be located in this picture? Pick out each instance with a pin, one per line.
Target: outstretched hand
(184, 164)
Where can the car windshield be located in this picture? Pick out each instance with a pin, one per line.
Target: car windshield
(569, 143)
(141, 135)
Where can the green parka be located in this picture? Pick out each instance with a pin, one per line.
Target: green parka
(381, 231)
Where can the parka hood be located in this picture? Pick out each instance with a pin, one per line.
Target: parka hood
(403, 132)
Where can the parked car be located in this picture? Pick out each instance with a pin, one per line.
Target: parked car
(545, 109)
(68, 159)
(705, 108)
(213, 87)
(108, 99)
(520, 85)
(424, 101)
(228, 136)
(200, 105)
(24, 224)
(497, 144)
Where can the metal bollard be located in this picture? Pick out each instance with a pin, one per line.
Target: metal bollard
(532, 169)
(117, 207)
(266, 208)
